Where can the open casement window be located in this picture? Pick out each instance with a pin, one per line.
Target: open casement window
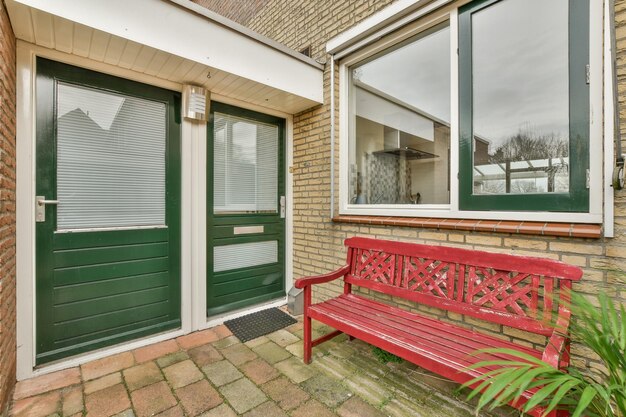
(524, 105)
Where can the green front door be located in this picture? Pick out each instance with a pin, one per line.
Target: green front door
(108, 211)
(246, 209)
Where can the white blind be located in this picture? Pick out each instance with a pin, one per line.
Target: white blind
(244, 255)
(110, 159)
(245, 165)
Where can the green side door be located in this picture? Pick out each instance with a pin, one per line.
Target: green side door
(108, 210)
(245, 209)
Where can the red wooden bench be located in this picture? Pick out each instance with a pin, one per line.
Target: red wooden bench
(519, 292)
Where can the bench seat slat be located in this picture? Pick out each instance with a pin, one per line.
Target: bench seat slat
(445, 353)
(458, 340)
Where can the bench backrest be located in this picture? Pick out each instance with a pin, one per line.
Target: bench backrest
(515, 291)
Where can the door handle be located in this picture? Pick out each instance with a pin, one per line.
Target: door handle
(40, 208)
(283, 209)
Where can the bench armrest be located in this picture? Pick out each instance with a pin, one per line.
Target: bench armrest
(320, 279)
(558, 341)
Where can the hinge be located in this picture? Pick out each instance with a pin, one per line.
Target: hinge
(587, 180)
(587, 73)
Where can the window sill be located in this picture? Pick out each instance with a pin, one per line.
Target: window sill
(592, 231)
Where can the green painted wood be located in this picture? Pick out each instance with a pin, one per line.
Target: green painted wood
(101, 255)
(106, 304)
(235, 289)
(84, 240)
(86, 290)
(107, 338)
(98, 288)
(577, 199)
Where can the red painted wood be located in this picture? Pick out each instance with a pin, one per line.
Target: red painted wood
(484, 259)
(520, 292)
(325, 338)
(320, 279)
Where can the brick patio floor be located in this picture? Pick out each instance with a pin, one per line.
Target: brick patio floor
(212, 374)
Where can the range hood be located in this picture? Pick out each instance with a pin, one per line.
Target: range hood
(399, 143)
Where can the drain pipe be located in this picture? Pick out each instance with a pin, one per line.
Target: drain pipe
(332, 137)
(618, 170)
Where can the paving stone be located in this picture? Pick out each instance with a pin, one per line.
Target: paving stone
(356, 407)
(222, 331)
(204, 355)
(198, 397)
(295, 370)
(238, 354)
(287, 394)
(334, 367)
(367, 387)
(257, 342)
(221, 373)
(172, 412)
(107, 402)
(342, 350)
(243, 395)
(296, 326)
(402, 408)
(267, 409)
(296, 349)
(72, 400)
(271, 352)
(142, 375)
(221, 411)
(153, 399)
(326, 390)
(225, 342)
(171, 359)
(182, 373)
(103, 382)
(125, 413)
(283, 338)
(196, 339)
(37, 406)
(108, 365)
(45, 383)
(259, 371)
(312, 408)
(151, 352)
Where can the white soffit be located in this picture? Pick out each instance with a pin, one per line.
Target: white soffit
(177, 43)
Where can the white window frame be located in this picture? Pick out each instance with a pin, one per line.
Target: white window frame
(449, 12)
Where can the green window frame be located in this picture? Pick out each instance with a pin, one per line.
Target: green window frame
(577, 199)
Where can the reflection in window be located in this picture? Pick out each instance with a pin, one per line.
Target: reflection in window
(400, 124)
(245, 160)
(521, 97)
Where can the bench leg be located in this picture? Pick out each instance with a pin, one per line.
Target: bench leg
(307, 340)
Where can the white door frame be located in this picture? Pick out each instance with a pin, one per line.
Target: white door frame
(193, 213)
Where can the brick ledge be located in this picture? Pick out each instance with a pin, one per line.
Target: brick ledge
(593, 231)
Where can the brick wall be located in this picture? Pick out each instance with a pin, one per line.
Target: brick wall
(318, 242)
(240, 11)
(7, 208)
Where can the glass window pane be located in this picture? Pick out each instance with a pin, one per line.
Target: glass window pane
(521, 97)
(400, 131)
(245, 154)
(244, 255)
(110, 159)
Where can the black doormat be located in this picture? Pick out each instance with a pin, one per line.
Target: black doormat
(258, 324)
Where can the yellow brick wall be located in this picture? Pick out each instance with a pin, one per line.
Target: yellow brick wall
(318, 242)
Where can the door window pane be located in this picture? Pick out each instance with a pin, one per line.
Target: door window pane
(244, 255)
(110, 159)
(400, 124)
(245, 154)
(520, 70)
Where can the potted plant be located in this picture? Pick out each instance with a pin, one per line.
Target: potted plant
(601, 329)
